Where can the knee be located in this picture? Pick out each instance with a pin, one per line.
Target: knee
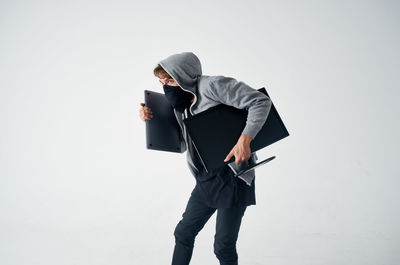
(225, 251)
(184, 234)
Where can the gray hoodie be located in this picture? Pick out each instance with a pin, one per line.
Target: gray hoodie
(209, 91)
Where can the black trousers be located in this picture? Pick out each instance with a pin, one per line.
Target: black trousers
(193, 220)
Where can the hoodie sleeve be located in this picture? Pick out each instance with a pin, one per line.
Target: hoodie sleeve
(229, 91)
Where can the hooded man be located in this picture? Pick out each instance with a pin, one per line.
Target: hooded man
(189, 93)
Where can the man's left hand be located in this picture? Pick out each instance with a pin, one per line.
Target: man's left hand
(241, 151)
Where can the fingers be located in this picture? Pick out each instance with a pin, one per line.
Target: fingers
(146, 109)
(145, 113)
(241, 159)
(238, 161)
(229, 156)
(146, 117)
(239, 155)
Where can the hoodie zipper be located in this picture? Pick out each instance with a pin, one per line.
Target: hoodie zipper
(195, 97)
(194, 102)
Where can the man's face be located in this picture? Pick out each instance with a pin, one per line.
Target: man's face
(168, 81)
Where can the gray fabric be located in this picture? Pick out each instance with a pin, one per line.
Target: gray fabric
(209, 91)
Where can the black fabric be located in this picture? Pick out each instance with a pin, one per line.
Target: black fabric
(223, 190)
(177, 97)
(220, 188)
(195, 216)
(194, 155)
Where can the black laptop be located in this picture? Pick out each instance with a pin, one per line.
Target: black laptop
(162, 131)
(216, 130)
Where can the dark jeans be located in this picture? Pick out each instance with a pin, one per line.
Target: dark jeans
(194, 218)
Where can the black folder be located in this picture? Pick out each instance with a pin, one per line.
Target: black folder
(216, 130)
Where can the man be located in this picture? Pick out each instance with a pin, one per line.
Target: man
(190, 92)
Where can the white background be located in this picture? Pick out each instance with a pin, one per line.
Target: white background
(78, 187)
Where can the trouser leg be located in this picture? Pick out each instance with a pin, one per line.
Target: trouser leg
(226, 234)
(193, 220)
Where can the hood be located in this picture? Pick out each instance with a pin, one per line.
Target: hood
(185, 69)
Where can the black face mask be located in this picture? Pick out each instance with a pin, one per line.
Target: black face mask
(177, 97)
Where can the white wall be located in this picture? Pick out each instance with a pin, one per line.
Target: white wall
(77, 185)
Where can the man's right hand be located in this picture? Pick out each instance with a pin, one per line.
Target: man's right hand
(145, 112)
